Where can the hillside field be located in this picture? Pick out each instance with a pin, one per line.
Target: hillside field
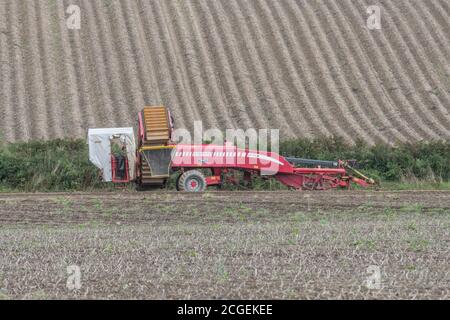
(309, 68)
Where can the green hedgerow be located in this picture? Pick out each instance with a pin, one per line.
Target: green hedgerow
(55, 165)
(63, 164)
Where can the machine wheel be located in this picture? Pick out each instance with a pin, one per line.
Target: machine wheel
(192, 181)
(177, 182)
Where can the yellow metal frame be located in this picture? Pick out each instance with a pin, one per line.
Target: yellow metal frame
(144, 148)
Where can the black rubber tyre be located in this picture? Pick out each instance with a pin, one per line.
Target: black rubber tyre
(192, 181)
(177, 186)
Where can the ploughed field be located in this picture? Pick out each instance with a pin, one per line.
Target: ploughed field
(355, 244)
(307, 67)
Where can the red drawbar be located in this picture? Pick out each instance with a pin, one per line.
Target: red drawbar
(213, 180)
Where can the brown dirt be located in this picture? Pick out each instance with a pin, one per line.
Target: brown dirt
(305, 67)
(225, 244)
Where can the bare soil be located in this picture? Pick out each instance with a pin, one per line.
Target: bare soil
(226, 244)
(308, 68)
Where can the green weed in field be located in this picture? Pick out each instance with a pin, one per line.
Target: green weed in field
(364, 244)
(417, 244)
(222, 272)
(412, 208)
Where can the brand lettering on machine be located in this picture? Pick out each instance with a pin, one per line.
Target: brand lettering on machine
(227, 154)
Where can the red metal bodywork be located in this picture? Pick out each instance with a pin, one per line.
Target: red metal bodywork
(221, 158)
(228, 156)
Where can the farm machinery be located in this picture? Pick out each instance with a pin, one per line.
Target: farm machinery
(150, 159)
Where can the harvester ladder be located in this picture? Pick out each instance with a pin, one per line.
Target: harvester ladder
(157, 126)
(157, 129)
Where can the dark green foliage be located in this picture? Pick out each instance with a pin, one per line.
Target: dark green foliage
(420, 160)
(63, 165)
(57, 165)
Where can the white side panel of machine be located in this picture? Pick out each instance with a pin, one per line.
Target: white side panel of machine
(99, 140)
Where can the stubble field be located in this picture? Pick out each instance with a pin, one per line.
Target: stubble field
(226, 245)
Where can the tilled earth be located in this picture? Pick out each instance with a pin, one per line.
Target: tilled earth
(309, 68)
(173, 245)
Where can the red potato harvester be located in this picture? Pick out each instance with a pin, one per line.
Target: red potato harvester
(154, 157)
